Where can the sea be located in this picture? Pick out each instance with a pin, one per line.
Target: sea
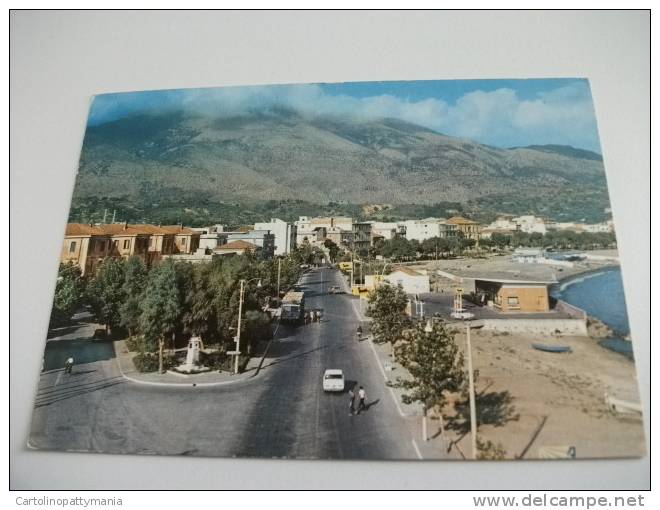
(601, 295)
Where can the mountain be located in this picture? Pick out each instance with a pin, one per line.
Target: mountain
(566, 150)
(150, 162)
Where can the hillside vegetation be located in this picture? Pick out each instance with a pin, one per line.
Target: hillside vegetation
(176, 167)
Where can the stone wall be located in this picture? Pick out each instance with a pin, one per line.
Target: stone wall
(553, 327)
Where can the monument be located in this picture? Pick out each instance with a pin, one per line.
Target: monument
(192, 365)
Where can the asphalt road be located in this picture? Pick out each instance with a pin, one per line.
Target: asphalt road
(282, 413)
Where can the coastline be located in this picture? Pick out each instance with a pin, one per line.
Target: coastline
(566, 279)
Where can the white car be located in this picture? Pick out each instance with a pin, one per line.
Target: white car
(333, 380)
(464, 316)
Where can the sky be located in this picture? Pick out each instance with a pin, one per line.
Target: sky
(502, 113)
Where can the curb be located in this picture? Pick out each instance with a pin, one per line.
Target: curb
(176, 385)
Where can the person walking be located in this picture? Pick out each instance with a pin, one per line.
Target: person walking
(362, 396)
(351, 402)
(68, 365)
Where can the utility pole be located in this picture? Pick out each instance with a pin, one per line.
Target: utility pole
(279, 268)
(238, 329)
(114, 212)
(473, 406)
(105, 212)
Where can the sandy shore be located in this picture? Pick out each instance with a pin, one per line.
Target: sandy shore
(523, 390)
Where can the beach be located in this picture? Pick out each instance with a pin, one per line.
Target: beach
(529, 399)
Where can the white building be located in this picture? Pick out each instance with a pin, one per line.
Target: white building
(531, 224)
(428, 228)
(285, 234)
(503, 223)
(386, 230)
(413, 282)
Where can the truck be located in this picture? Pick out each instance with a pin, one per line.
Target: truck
(293, 307)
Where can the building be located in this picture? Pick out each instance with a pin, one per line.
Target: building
(488, 232)
(428, 228)
(413, 282)
(387, 230)
(528, 255)
(261, 239)
(307, 229)
(343, 238)
(237, 248)
(88, 245)
(469, 228)
(513, 295)
(530, 224)
(361, 236)
(506, 291)
(504, 222)
(85, 246)
(285, 234)
(186, 240)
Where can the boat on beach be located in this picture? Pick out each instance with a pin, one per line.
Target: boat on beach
(551, 348)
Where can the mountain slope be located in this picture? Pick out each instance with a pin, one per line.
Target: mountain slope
(284, 155)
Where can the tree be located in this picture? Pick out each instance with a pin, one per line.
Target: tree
(105, 293)
(198, 317)
(434, 362)
(69, 294)
(160, 306)
(333, 249)
(387, 308)
(135, 280)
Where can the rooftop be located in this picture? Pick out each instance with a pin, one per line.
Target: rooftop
(407, 270)
(460, 220)
(500, 276)
(236, 245)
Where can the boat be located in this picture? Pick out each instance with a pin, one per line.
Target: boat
(619, 406)
(551, 348)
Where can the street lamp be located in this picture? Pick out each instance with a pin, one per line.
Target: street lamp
(237, 351)
(473, 406)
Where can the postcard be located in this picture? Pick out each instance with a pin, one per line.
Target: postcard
(418, 270)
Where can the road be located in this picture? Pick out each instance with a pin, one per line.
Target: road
(282, 413)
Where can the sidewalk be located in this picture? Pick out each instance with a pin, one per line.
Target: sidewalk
(213, 378)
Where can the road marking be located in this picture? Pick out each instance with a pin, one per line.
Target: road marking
(419, 454)
(57, 380)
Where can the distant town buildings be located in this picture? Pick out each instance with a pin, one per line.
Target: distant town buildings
(427, 228)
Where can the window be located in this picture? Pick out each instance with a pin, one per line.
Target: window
(183, 241)
(72, 247)
(127, 244)
(513, 301)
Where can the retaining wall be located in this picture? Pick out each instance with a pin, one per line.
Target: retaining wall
(553, 327)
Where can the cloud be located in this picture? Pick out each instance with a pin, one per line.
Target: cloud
(563, 115)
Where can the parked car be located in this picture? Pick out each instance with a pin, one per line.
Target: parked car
(335, 290)
(333, 380)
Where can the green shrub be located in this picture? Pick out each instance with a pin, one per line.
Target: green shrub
(148, 362)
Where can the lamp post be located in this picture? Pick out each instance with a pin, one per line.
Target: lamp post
(237, 351)
(473, 406)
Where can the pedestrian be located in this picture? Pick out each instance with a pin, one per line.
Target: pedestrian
(351, 402)
(362, 395)
(68, 365)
